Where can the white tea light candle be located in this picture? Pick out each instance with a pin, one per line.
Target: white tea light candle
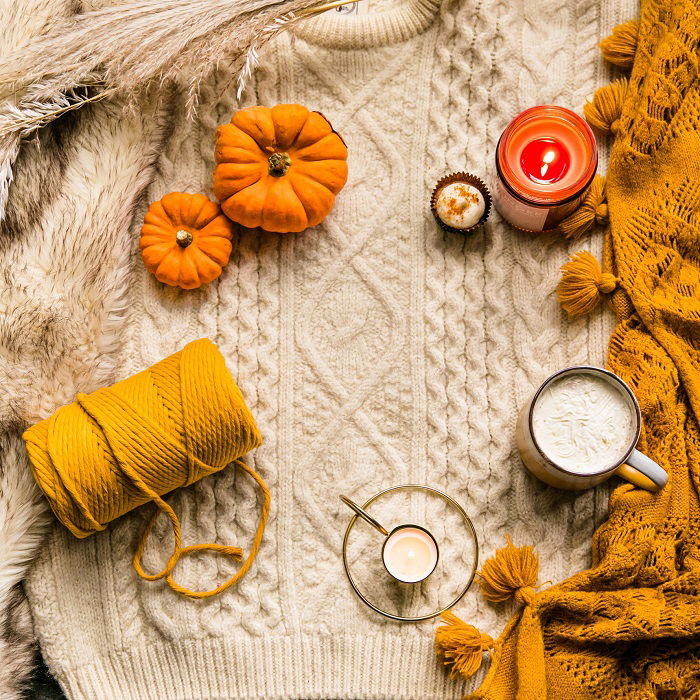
(410, 554)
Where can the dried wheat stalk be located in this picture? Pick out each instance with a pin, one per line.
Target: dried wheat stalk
(131, 46)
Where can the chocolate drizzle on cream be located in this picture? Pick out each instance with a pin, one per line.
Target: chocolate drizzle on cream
(583, 423)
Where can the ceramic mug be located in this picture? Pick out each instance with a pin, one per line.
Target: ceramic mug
(626, 461)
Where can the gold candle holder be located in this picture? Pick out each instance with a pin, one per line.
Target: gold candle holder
(361, 513)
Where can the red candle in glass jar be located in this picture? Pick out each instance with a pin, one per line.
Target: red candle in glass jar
(545, 160)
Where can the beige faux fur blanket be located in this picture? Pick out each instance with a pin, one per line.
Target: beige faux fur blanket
(374, 350)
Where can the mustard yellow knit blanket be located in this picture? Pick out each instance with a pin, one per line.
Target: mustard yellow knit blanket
(630, 626)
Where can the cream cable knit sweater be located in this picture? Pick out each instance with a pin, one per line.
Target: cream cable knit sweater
(372, 351)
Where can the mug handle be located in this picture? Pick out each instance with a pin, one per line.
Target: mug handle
(643, 472)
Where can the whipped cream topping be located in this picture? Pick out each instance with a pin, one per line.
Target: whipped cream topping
(583, 423)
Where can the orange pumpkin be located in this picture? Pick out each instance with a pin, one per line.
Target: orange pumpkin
(185, 240)
(278, 168)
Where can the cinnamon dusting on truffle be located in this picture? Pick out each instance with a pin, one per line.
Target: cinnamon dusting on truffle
(459, 205)
(468, 199)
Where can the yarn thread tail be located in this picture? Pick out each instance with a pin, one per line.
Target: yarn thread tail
(135, 441)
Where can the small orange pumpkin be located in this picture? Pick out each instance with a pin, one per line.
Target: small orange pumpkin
(185, 240)
(278, 168)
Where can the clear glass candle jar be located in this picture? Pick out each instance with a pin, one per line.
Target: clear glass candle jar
(545, 161)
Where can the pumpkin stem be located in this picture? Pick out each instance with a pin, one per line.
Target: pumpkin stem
(183, 238)
(279, 164)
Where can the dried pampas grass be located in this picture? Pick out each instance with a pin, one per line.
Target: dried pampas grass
(129, 47)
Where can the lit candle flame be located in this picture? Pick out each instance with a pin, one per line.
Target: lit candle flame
(547, 158)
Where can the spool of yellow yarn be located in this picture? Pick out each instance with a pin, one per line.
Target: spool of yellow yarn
(124, 445)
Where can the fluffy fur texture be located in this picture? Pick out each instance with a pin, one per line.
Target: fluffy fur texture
(17, 647)
(20, 22)
(63, 281)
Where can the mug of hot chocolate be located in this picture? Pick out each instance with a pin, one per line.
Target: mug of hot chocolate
(581, 427)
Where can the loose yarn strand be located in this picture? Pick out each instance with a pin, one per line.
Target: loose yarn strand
(257, 541)
(163, 507)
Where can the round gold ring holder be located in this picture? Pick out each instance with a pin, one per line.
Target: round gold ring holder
(469, 528)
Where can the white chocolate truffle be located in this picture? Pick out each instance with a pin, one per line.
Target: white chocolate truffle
(460, 205)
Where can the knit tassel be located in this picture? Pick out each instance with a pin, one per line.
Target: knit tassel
(603, 113)
(620, 47)
(593, 210)
(460, 645)
(583, 284)
(511, 571)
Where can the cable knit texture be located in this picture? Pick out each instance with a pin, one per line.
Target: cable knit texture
(630, 626)
(372, 350)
